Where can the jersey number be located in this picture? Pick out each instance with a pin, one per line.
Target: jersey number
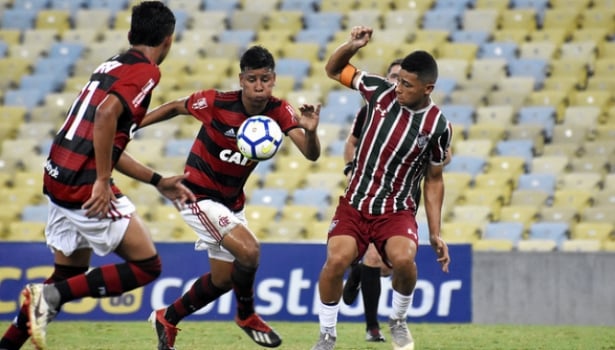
(89, 90)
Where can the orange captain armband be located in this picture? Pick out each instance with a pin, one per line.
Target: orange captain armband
(347, 75)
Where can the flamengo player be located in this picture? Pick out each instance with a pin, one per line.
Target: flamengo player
(87, 212)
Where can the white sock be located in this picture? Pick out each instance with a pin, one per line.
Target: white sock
(400, 305)
(328, 318)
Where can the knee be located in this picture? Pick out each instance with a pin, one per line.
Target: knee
(250, 254)
(372, 258)
(337, 265)
(151, 267)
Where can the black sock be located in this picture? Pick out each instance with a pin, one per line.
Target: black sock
(370, 287)
(243, 286)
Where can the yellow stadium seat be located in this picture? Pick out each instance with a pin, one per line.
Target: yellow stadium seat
(573, 198)
(329, 164)
(330, 180)
(609, 246)
(605, 197)
(495, 114)
(278, 35)
(537, 245)
(371, 17)
(590, 164)
(604, 132)
(569, 150)
(490, 197)
(473, 147)
(564, 133)
(341, 6)
(493, 245)
(480, 214)
(598, 17)
(53, 19)
(291, 163)
(246, 20)
(302, 214)
(460, 232)
(490, 70)
(318, 82)
(565, 18)
(146, 150)
(538, 49)
(555, 98)
(501, 182)
(581, 180)
(519, 18)
(284, 231)
(10, 36)
(601, 83)
(209, 20)
(164, 231)
(599, 98)
(259, 6)
(301, 50)
(534, 198)
(286, 180)
(587, 50)
(458, 50)
(318, 231)
(580, 245)
(561, 82)
(508, 99)
(261, 212)
(26, 231)
(95, 19)
(383, 6)
(600, 231)
(406, 18)
(456, 68)
(609, 182)
(558, 213)
(514, 165)
(516, 35)
(483, 17)
(550, 164)
(525, 214)
(570, 4)
(532, 132)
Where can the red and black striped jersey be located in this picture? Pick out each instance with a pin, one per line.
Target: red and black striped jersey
(394, 148)
(218, 171)
(70, 170)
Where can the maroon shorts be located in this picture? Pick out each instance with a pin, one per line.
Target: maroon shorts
(377, 229)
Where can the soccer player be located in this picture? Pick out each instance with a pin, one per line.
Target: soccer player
(87, 212)
(218, 173)
(403, 142)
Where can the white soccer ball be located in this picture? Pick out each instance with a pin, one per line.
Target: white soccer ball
(259, 137)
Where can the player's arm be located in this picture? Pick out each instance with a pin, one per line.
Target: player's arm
(105, 126)
(338, 66)
(165, 111)
(433, 193)
(306, 137)
(170, 187)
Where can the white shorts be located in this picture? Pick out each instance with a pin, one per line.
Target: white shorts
(70, 229)
(211, 221)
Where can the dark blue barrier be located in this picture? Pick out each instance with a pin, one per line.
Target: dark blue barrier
(286, 285)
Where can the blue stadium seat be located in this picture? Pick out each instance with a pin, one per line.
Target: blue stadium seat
(557, 231)
(45, 82)
(305, 6)
(67, 51)
(336, 148)
(478, 37)
(36, 213)
(15, 18)
(28, 98)
(446, 85)
(275, 197)
(498, 49)
(35, 5)
(446, 18)
(217, 5)
(319, 197)
(544, 116)
(459, 5)
(466, 164)
(508, 230)
(459, 114)
(516, 147)
(178, 147)
(542, 182)
(351, 99)
(532, 67)
(337, 114)
(71, 5)
(113, 5)
(243, 37)
(323, 20)
(182, 18)
(3, 48)
(321, 36)
(298, 68)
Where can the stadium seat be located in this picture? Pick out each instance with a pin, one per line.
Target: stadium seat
(583, 181)
(544, 50)
(537, 245)
(545, 116)
(241, 37)
(528, 197)
(501, 183)
(301, 5)
(217, 5)
(546, 182)
(525, 214)
(516, 147)
(276, 197)
(493, 245)
(26, 231)
(442, 19)
(454, 68)
(600, 231)
(479, 20)
(519, 18)
(491, 70)
(18, 18)
(35, 213)
(472, 96)
(598, 213)
(556, 231)
(573, 198)
(513, 165)
(473, 147)
(512, 231)
(462, 115)
(284, 231)
(580, 245)
(472, 165)
(559, 214)
(498, 49)
(532, 67)
(460, 232)
(28, 98)
(479, 214)
(323, 19)
(279, 179)
(550, 164)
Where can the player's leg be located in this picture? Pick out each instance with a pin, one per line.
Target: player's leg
(371, 288)
(401, 252)
(244, 246)
(17, 333)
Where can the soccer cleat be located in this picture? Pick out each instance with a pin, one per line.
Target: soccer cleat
(353, 285)
(325, 342)
(402, 339)
(259, 331)
(39, 314)
(166, 332)
(374, 335)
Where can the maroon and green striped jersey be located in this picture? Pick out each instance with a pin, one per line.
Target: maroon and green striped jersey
(395, 146)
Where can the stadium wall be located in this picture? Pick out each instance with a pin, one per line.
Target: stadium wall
(555, 288)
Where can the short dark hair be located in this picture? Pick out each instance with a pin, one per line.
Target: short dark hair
(423, 65)
(396, 62)
(151, 23)
(257, 57)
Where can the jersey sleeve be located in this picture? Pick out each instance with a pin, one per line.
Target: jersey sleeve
(286, 117)
(135, 84)
(443, 142)
(200, 104)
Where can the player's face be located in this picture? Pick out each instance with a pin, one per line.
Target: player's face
(411, 92)
(393, 73)
(257, 84)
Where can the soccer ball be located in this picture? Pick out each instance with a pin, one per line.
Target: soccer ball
(259, 137)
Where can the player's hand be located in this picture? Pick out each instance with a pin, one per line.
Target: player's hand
(441, 250)
(171, 187)
(360, 35)
(99, 204)
(310, 116)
